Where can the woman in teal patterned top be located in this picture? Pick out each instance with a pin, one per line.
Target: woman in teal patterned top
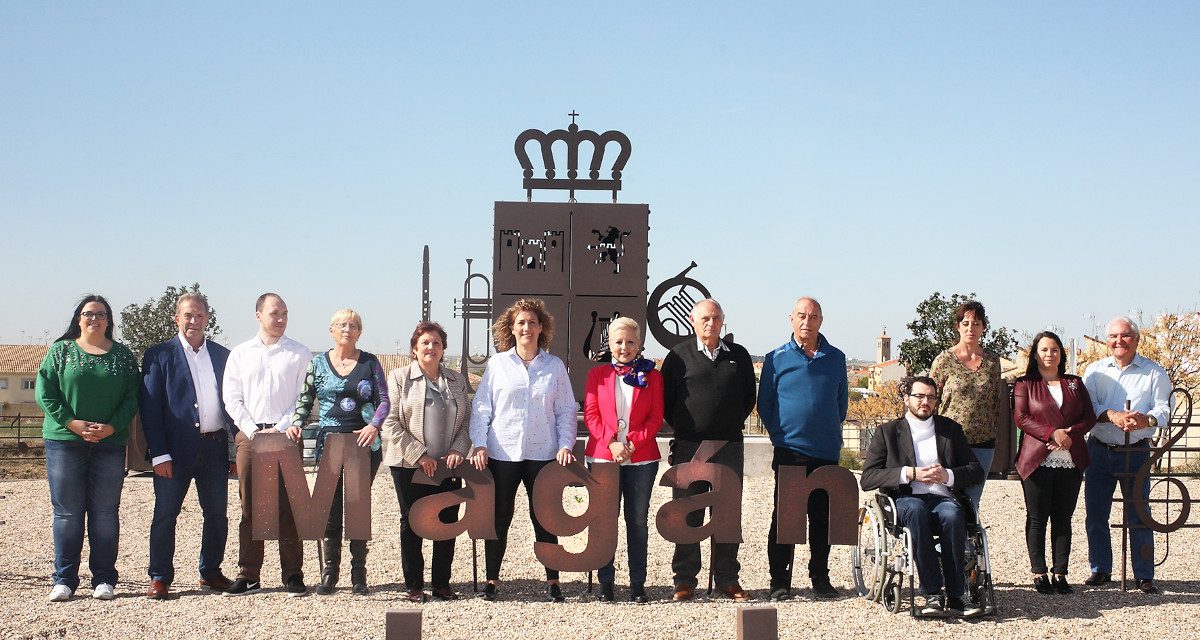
(87, 386)
(349, 389)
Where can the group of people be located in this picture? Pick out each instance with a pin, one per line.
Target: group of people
(934, 459)
(194, 396)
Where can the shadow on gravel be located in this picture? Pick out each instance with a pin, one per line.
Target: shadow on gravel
(1020, 602)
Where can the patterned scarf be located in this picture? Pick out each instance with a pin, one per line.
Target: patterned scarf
(634, 373)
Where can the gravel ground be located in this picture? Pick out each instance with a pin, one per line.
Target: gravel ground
(1023, 613)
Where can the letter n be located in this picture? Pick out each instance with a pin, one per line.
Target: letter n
(794, 488)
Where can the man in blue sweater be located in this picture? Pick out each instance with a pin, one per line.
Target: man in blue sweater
(802, 401)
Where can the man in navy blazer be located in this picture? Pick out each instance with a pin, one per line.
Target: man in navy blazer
(187, 437)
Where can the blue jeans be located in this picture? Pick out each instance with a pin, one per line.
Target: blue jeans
(927, 515)
(1098, 485)
(975, 491)
(85, 480)
(210, 469)
(636, 483)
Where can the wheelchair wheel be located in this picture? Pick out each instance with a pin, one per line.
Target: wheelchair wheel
(866, 558)
(890, 593)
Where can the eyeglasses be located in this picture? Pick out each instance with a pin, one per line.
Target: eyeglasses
(94, 315)
(921, 397)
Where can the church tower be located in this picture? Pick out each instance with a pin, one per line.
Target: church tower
(883, 347)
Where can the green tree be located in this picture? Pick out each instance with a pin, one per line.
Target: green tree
(145, 325)
(933, 332)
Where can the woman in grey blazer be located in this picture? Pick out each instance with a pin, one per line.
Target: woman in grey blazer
(428, 422)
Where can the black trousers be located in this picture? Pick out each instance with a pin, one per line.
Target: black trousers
(1050, 493)
(781, 556)
(412, 559)
(686, 561)
(508, 476)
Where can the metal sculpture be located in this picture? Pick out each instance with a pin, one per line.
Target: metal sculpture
(724, 498)
(669, 320)
(478, 497)
(573, 137)
(602, 482)
(474, 308)
(276, 456)
(1161, 472)
(425, 285)
(795, 487)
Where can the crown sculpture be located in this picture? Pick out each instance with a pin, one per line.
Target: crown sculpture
(572, 136)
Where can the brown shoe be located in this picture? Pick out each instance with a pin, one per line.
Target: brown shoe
(683, 592)
(216, 583)
(416, 595)
(158, 590)
(444, 593)
(735, 592)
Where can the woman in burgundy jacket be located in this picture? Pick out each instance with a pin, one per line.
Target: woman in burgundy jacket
(1053, 411)
(623, 409)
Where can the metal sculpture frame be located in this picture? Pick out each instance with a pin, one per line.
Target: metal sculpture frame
(572, 136)
(1159, 471)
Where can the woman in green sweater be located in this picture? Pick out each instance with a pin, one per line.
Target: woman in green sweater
(87, 386)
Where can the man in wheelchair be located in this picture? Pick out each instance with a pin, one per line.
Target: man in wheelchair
(925, 462)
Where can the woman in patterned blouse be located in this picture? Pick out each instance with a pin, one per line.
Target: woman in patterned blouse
(348, 386)
(87, 386)
(972, 393)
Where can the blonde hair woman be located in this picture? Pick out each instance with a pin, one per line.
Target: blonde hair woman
(348, 386)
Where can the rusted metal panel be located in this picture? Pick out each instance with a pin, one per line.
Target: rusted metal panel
(757, 623)
(795, 487)
(275, 456)
(724, 499)
(402, 624)
(600, 519)
(478, 496)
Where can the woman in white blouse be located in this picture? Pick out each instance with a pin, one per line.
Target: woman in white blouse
(523, 418)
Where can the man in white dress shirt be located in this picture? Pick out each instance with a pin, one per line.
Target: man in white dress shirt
(1131, 396)
(262, 382)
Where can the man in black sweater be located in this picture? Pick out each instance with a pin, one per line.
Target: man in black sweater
(708, 391)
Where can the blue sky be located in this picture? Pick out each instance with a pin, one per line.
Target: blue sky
(1042, 155)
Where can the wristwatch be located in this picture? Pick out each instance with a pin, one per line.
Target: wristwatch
(1153, 421)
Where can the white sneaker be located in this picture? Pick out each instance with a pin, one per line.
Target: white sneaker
(103, 591)
(60, 593)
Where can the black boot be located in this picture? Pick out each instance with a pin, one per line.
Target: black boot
(358, 567)
(331, 550)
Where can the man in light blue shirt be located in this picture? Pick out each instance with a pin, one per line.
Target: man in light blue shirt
(1131, 395)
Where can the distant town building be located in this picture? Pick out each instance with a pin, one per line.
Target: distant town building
(19, 364)
(886, 368)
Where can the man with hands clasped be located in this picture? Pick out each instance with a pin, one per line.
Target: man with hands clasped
(924, 461)
(1131, 396)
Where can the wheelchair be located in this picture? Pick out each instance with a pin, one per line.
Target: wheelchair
(883, 559)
